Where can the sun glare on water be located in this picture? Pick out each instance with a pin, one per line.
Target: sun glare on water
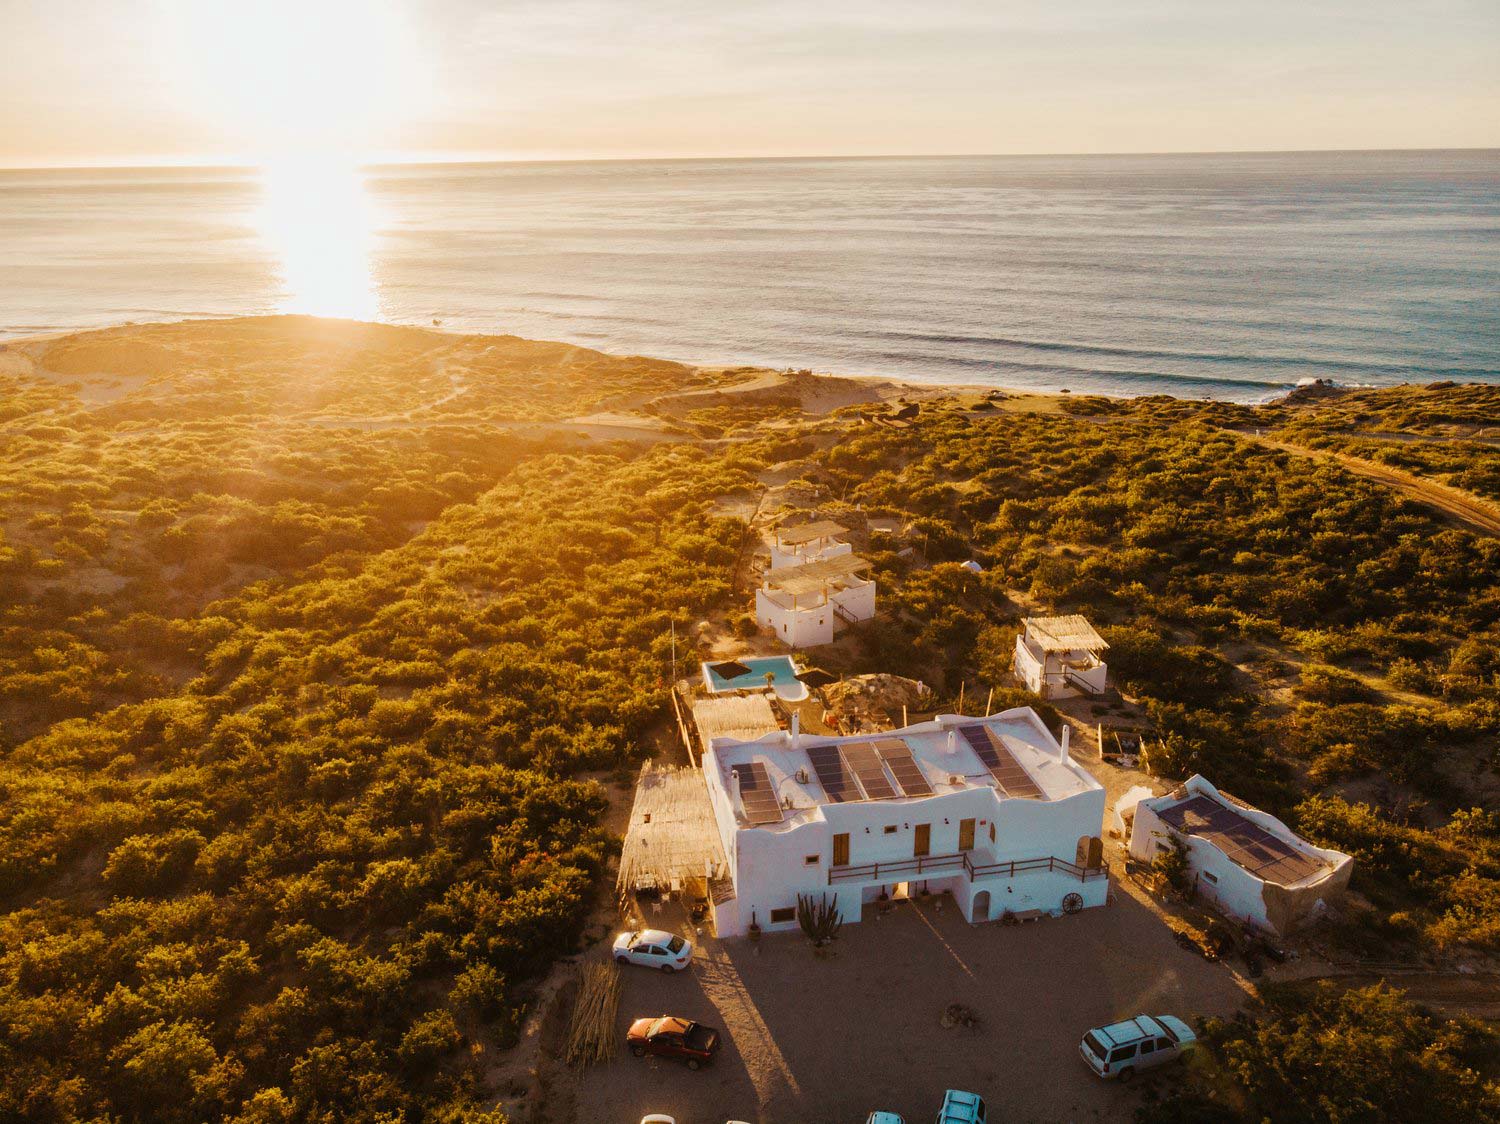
(305, 89)
(318, 222)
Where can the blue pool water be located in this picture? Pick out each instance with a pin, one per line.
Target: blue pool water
(783, 672)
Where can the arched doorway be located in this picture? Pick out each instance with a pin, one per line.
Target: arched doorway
(981, 911)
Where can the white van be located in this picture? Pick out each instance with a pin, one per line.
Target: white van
(1120, 1049)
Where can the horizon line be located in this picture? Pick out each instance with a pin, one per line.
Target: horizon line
(460, 159)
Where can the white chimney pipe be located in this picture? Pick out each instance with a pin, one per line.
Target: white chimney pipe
(796, 730)
(1063, 753)
(952, 740)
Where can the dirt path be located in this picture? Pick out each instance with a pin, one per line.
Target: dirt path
(1460, 505)
(1449, 993)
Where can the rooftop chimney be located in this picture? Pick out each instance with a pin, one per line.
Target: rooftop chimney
(952, 740)
(1063, 753)
(796, 730)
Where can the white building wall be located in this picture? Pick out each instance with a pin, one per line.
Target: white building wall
(1232, 889)
(1235, 891)
(858, 601)
(1028, 668)
(785, 556)
(796, 628)
(1045, 674)
(771, 868)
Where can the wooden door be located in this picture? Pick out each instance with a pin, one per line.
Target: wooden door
(841, 849)
(923, 845)
(965, 835)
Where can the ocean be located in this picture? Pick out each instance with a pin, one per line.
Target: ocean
(1224, 276)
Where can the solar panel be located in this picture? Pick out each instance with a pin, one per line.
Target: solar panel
(865, 764)
(1247, 844)
(756, 793)
(837, 781)
(904, 767)
(1002, 764)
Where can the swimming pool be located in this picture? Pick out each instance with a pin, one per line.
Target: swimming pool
(783, 677)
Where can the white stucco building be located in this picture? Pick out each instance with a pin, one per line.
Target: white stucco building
(809, 542)
(992, 810)
(1245, 862)
(1060, 656)
(800, 604)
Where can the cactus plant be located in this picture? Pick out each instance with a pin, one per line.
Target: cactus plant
(820, 919)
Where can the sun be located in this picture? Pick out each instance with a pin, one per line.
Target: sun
(293, 78)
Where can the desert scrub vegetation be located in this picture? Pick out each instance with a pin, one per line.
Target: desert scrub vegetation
(298, 718)
(335, 855)
(311, 645)
(1307, 1055)
(1221, 573)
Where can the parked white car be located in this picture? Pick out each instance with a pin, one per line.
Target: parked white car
(654, 948)
(1121, 1049)
(657, 1118)
(884, 1118)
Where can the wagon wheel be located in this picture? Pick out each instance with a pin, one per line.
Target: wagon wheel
(1072, 903)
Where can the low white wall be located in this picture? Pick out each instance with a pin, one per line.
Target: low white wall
(858, 601)
(785, 556)
(1027, 667)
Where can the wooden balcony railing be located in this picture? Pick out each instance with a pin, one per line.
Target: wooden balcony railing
(904, 870)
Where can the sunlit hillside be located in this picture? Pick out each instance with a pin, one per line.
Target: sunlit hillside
(322, 644)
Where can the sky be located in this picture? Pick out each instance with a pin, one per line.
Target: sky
(209, 81)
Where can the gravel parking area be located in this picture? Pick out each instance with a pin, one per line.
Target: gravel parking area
(814, 1038)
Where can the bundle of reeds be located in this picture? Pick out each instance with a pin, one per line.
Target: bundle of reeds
(592, 1036)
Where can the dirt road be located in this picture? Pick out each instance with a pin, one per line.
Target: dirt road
(1457, 504)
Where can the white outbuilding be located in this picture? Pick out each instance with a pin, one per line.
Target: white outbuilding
(800, 604)
(808, 542)
(992, 810)
(1060, 656)
(1245, 862)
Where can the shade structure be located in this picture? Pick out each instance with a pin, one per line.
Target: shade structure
(729, 669)
(815, 577)
(810, 532)
(816, 677)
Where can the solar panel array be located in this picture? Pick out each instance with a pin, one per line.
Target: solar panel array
(837, 781)
(756, 793)
(865, 765)
(1248, 844)
(903, 766)
(1002, 764)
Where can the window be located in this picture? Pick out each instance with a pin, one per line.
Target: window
(891, 829)
(675, 944)
(810, 860)
(841, 849)
(1123, 1054)
(992, 833)
(1212, 878)
(781, 916)
(1163, 1044)
(1148, 1048)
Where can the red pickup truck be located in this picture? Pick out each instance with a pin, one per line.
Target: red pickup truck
(670, 1037)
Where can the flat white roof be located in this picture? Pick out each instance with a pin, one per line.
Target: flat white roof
(946, 764)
